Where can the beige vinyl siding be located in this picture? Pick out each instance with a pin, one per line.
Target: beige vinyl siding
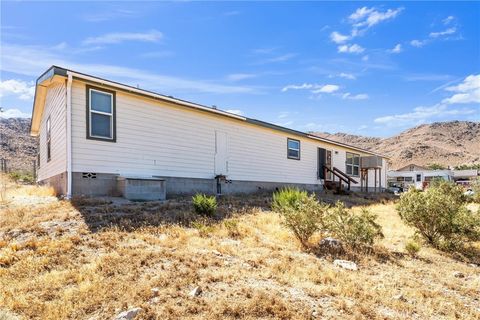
(156, 138)
(55, 108)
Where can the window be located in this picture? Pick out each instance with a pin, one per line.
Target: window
(293, 149)
(353, 164)
(49, 140)
(419, 177)
(100, 114)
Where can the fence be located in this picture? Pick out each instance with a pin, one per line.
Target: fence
(31, 170)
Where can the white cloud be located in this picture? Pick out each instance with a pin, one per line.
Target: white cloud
(447, 32)
(360, 96)
(347, 76)
(280, 58)
(299, 87)
(110, 14)
(397, 48)
(240, 76)
(418, 43)
(14, 113)
(32, 61)
(235, 111)
(421, 115)
(338, 37)
(361, 20)
(21, 89)
(368, 17)
(448, 20)
(468, 91)
(365, 58)
(354, 48)
(118, 37)
(313, 87)
(328, 88)
(283, 114)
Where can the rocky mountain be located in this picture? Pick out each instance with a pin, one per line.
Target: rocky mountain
(446, 143)
(16, 144)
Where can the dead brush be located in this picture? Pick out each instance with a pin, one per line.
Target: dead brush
(233, 228)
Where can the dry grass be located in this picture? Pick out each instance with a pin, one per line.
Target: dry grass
(93, 259)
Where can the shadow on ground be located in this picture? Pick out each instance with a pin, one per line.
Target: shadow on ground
(100, 213)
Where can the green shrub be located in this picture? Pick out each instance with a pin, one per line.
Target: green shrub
(354, 229)
(439, 215)
(412, 247)
(204, 205)
(301, 213)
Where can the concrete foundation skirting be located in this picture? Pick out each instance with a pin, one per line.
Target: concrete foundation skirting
(94, 184)
(106, 184)
(57, 182)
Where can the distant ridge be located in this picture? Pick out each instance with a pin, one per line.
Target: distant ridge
(446, 143)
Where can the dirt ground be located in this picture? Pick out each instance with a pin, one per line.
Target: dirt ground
(94, 258)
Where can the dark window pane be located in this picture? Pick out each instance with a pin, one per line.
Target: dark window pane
(349, 169)
(293, 144)
(101, 102)
(355, 171)
(356, 160)
(293, 153)
(349, 158)
(100, 125)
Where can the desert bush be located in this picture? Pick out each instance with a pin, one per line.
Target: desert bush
(355, 230)
(412, 247)
(19, 176)
(204, 205)
(204, 230)
(301, 212)
(439, 215)
(476, 189)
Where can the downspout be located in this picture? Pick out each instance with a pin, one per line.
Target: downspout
(69, 135)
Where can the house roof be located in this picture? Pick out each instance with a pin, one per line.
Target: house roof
(56, 71)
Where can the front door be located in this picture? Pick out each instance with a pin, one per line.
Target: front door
(221, 161)
(324, 159)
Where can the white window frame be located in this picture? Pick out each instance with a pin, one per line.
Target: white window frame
(90, 111)
(288, 149)
(353, 165)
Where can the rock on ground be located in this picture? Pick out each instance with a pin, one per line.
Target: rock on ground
(128, 314)
(349, 265)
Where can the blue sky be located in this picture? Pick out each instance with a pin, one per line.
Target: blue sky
(371, 68)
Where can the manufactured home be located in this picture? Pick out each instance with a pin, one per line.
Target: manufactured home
(100, 137)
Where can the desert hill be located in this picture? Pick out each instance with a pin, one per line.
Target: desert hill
(446, 143)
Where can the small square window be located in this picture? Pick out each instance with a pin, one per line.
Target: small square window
(293, 149)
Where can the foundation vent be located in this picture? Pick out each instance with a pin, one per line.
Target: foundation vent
(89, 175)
